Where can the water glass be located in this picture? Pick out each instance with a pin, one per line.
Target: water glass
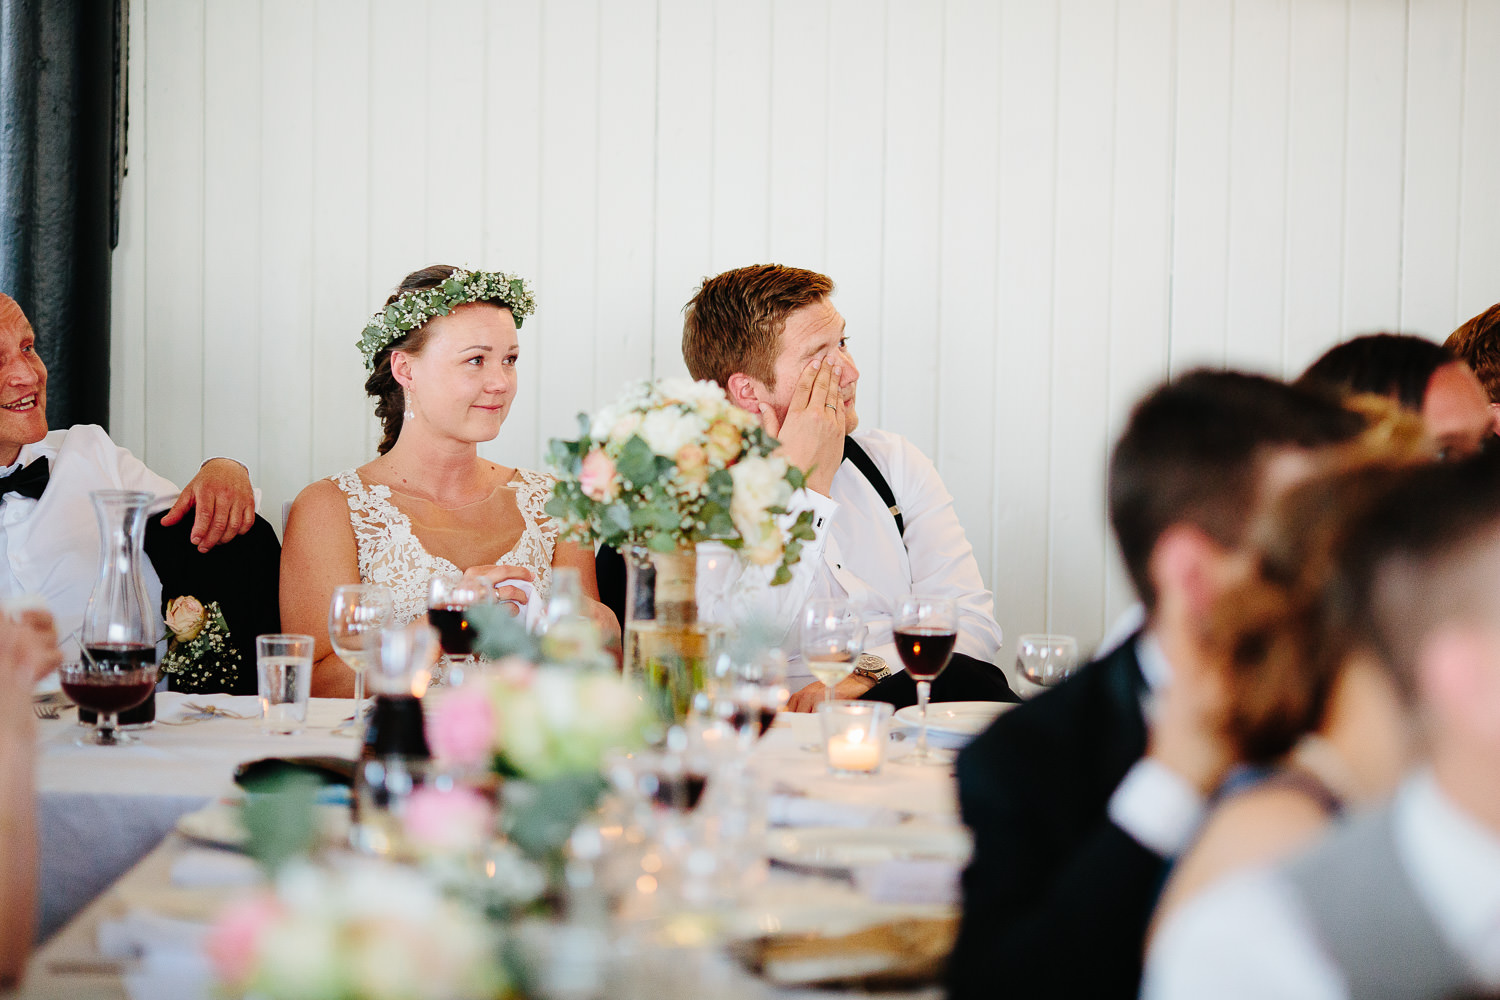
(283, 673)
(854, 736)
(1047, 659)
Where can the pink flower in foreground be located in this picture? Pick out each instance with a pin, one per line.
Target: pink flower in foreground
(597, 477)
(462, 727)
(233, 943)
(447, 819)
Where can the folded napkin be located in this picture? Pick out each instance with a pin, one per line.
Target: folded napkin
(797, 810)
(198, 867)
(909, 881)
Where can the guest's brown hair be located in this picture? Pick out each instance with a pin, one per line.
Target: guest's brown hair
(1284, 632)
(733, 323)
(1478, 343)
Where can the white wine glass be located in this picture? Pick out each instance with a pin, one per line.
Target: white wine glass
(833, 637)
(356, 614)
(1046, 660)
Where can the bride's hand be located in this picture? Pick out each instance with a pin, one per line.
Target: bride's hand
(496, 575)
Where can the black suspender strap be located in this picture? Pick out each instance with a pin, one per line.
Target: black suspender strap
(866, 465)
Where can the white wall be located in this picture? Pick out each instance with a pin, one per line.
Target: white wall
(1034, 209)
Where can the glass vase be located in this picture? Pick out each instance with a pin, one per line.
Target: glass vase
(666, 645)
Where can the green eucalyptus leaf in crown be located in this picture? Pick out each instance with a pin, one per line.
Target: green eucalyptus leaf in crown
(414, 308)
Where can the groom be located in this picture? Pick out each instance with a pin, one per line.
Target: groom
(884, 523)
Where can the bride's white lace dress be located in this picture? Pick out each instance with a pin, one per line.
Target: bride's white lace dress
(391, 554)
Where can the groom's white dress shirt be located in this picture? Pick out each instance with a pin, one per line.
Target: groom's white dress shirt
(858, 553)
(50, 547)
(1250, 936)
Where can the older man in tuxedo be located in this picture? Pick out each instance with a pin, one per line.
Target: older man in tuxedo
(1077, 805)
(49, 536)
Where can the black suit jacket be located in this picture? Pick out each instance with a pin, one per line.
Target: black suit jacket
(1056, 898)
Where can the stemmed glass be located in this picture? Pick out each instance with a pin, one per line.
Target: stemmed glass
(356, 615)
(1047, 659)
(926, 629)
(833, 636)
(448, 601)
(109, 687)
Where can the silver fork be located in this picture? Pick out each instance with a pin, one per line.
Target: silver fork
(47, 712)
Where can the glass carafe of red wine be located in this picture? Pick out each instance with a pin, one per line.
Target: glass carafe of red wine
(120, 627)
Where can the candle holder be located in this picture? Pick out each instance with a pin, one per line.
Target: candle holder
(854, 736)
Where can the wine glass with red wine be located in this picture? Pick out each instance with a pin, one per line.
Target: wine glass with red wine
(926, 629)
(448, 604)
(109, 683)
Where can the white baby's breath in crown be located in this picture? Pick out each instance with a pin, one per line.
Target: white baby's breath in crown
(461, 287)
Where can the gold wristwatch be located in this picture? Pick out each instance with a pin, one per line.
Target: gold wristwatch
(871, 667)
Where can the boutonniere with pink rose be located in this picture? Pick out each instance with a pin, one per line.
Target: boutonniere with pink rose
(200, 656)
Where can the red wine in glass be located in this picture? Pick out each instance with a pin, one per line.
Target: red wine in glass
(455, 634)
(116, 657)
(680, 792)
(925, 650)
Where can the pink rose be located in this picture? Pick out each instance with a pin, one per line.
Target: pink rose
(597, 477)
(692, 464)
(233, 943)
(723, 443)
(186, 617)
(462, 727)
(452, 819)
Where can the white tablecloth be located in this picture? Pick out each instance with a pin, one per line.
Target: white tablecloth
(102, 809)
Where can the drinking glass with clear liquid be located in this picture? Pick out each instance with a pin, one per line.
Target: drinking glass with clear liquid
(833, 637)
(356, 615)
(283, 679)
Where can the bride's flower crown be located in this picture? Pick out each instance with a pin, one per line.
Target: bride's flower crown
(414, 308)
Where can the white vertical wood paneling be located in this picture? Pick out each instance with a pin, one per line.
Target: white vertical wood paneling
(1201, 172)
(231, 223)
(1434, 124)
(1478, 236)
(563, 340)
(741, 128)
(173, 286)
(684, 169)
(1141, 231)
(1080, 328)
(1027, 180)
(1376, 129)
(1032, 209)
(1317, 99)
(1255, 283)
(286, 225)
(341, 293)
(969, 223)
(512, 198)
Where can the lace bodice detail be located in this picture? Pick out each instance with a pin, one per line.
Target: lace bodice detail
(390, 553)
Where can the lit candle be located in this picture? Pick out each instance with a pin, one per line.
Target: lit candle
(852, 751)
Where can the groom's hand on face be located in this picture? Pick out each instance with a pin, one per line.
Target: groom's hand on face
(812, 435)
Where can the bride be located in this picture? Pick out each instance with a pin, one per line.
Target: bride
(442, 359)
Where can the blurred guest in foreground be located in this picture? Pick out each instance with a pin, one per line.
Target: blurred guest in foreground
(1315, 718)
(442, 357)
(1423, 377)
(1404, 900)
(28, 652)
(49, 537)
(1076, 809)
(1477, 343)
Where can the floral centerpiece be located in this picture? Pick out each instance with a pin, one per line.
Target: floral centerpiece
(200, 656)
(672, 463)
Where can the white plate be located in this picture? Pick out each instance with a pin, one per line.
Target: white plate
(840, 847)
(957, 718)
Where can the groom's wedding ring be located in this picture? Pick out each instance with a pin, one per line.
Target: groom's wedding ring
(831, 406)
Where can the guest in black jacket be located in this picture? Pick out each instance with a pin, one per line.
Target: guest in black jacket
(1077, 805)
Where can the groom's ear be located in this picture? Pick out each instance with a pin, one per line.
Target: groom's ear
(745, 392)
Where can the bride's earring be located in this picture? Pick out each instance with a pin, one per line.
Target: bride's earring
(407, 414)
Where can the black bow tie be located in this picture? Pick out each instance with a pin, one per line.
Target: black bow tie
(29, 480)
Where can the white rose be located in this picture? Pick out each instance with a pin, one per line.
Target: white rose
(668, 429)
(759, 483)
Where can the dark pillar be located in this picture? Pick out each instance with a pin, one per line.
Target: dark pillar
(62, 156)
